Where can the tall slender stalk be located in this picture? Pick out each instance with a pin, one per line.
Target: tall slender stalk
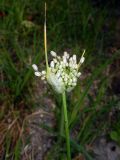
(45, 41)
(66, 126)
(62, 122)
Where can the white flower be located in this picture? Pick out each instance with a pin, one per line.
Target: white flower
(35, 67)
(58, 74)
(74, 57)
(66, 55)
(42, 78)
(38, 74)
(64, 60)
(62, 73)
(52, 64)
(82, 60)
(78, 74)
(74, 79)
(53, 53)
(55, 60)
(43, 72)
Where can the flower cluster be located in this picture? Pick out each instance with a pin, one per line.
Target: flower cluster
(62, 73)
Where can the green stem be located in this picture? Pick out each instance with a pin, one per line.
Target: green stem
(66, 126)
(45, 41)
(62, 122)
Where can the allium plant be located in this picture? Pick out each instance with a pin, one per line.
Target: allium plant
(62, 74)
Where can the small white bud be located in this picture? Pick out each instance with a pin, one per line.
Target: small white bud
(38, 74)
(53, 53)
(82, 60)
(74, 84)
(74, 57)
(60, 79)
(58, 57)
(60, 66)
(79, 74)
(66, 64)
(75, 72)
(65, 54)
(71, 59)
(64, 60)
(34, 66)
(70, 65)
(52, 69)
(43, 72)
(52, 64)
(55, 60)
(72, 75)
(58, 74)
(65, 79)
(74, 79)
(70, 81)
(43, 78)
(76, 66)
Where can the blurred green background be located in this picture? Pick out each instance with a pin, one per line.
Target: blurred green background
(93, 25)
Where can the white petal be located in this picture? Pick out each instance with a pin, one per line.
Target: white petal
(60, 79)
(75, 66)
(71, 59)
(70, 64)
(58, 74)
(74, 57)
(43, 78)
(65, 79)
(52, 64)
(64, 60)
(74, 80)
(79, 74)
(65, 54)
(43, 72)
(38, 74)
(53, 70)
(74, 84)
(75, 73)
(82, 60)
(70, 81)
(34, 66)
(53, 53)
(66, 64)
(55, 60)
(60, 66)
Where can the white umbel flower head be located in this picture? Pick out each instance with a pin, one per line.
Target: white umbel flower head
(62, 73)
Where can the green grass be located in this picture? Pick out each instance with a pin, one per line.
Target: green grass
(71, 26)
